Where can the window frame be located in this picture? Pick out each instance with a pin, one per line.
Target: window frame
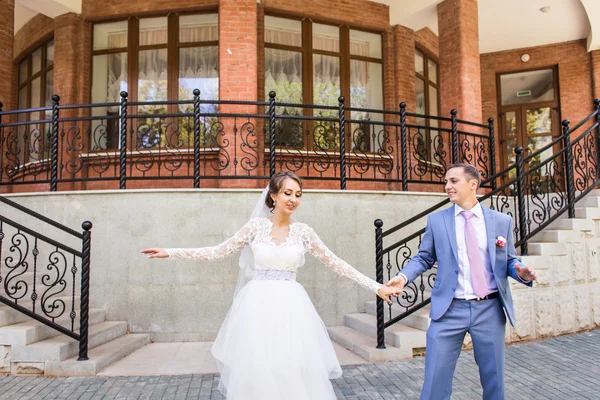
(44, 69)
(427, 55)
(133, 48)
(307, 51)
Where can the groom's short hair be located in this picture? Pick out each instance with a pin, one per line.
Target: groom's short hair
(469, 170)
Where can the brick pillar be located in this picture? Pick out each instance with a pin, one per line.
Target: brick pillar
(67, 70)
(238, 33)
(8, 81)
(595, 54)
(7, 29)
(460, 76)
(404, 52)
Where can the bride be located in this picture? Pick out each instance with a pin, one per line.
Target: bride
(273, 344)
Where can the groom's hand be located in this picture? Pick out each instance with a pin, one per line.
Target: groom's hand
(526, 273)
(397, 282)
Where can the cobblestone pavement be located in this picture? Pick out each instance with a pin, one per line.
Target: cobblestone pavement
(566, 367)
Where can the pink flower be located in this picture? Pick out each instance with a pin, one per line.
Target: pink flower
(501, 241)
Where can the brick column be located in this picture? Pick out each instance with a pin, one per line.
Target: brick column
(7, 29)
(8, 74)
(238, 33)
(68, 65)
(595, 55)
(460, 76)
(404, 68)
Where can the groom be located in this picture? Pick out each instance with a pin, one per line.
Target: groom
(475, 252)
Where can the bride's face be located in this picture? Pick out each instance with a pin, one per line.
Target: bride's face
(288, 198)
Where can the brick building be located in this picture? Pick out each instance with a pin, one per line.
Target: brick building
(526, 65)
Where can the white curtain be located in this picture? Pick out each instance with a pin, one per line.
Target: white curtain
(283, 75)
(199, 69)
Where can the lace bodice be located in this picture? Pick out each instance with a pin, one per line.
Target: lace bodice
(287, 256)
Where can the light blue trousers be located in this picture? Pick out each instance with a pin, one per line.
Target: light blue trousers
(485, 321)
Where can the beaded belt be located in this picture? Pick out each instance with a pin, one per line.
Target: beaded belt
(273, 275)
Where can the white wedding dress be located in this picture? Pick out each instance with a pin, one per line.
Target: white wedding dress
(273, 345)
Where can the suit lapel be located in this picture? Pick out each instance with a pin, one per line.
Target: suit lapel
(451, 230)
(490, 225)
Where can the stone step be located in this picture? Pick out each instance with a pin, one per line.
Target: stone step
(99, 357)
(587, 213)
(32, 331)
(62, 347)
(547, 249)
(556, 236)
(365, 346)
(577, 224)
(397, 335)
(418, 320)
(589, 201)
(10, 316)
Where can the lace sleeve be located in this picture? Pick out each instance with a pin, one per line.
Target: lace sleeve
(322, 253)
(228, 247)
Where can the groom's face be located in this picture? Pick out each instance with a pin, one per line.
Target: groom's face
(459, 188)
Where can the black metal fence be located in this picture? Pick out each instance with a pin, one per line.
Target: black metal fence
(534, 192)
(42, 277)
(202, 141)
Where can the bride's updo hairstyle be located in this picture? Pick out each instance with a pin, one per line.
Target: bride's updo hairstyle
(276, 184)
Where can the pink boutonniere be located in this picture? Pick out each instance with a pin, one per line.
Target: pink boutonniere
(501, 241)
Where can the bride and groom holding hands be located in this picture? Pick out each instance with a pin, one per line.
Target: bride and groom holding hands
(273, 344)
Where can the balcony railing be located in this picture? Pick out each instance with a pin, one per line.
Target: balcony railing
(202, 142)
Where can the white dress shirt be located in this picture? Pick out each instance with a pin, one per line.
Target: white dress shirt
(464, 289)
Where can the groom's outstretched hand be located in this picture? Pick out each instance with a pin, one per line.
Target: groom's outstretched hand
(397, 282)
(526, 273)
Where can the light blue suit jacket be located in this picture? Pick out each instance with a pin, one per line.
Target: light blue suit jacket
(439, 244)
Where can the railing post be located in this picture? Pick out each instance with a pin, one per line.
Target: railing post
(569, 168)
(521, 200)
(54, 154)
(403, 145)
(123, 143)
(271, 134)
(454, 137)
(2, 167)
(597, 104)
(379, 278)
(85, 291)
(492, 151)
(342, 118)
(196, 138)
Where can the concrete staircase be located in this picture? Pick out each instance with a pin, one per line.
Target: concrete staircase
(28, 347)
(408, 337)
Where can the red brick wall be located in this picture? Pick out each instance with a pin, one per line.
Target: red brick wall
(428, 40)
(404, 67)
(357, 13)
(7, 11)
(35, 32)
(595, 55)
(574, 75)
(105, 9)
(459, 59)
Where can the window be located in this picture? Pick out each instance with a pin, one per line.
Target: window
(154, 59)
(427, 88)
(36, 77)
(313, 63)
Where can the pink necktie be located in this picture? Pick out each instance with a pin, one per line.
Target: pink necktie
(475, 262)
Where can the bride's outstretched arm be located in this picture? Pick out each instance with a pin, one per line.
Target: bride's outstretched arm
(318, 249)
(228, 247)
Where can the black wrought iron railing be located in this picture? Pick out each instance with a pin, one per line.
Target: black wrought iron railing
(535, 191)
(46, 278)
(202, 141)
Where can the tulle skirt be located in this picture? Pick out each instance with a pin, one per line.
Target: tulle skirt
(274, 346)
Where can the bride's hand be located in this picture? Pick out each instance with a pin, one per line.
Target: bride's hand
(385, 291)
(155, 253)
